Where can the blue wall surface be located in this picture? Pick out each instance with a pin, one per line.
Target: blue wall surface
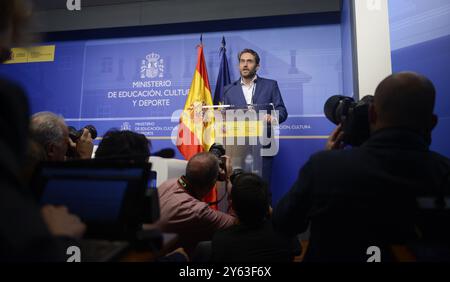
(420, 42)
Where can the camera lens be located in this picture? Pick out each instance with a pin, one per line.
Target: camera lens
(92, 130)
(217, 149)
(75, 134)
(336, 107)
(353, 116)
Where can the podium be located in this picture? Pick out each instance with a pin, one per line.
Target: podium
(244, 133)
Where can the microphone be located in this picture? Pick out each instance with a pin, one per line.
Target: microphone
(274, 118)
(166, 153)
(273, 106)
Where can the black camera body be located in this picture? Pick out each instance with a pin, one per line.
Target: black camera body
(235, 175)
(75, 134)
(218, 150)
(354, 117)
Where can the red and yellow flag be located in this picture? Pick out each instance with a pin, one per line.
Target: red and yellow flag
(196, 131)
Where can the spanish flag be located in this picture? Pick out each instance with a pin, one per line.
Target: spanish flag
(196, 128)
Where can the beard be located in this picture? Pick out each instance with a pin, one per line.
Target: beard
(251, 73)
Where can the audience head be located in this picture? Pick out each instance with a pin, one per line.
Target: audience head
(202, 172)
(14, 109)
(35, 154)
(51, 132)
(14, 123)
(14, 18)
(250, 199)
(124, 145)
(404, 100)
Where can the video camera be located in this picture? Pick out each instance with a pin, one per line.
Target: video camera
(354, 117)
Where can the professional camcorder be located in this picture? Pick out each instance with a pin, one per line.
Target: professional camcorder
(354, 117)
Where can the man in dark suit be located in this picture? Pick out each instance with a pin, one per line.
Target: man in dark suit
(252, 89)
(376, 194)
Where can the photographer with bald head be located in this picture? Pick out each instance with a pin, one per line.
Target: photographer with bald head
(181, 206)
(372, 195)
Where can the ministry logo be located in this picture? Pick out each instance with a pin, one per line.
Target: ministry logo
(125, 126)
(152, 66)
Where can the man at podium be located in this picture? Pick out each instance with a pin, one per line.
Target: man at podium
(251, 89)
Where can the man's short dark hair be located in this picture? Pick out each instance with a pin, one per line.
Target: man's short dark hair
(250, 199)
(123, 145)
(253, 52)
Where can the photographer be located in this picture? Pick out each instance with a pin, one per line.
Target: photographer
(52, 133)
(124, 145)
(253, 238)
(369, 195)
(181, 208)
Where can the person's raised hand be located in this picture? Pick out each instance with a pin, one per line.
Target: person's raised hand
(335, 140)
(85, 145)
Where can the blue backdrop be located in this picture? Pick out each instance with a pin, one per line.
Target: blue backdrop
(420, 40)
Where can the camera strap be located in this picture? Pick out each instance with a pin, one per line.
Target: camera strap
(221, 198)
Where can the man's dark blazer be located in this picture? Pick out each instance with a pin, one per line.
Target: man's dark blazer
(266, 92)
(366, 196)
